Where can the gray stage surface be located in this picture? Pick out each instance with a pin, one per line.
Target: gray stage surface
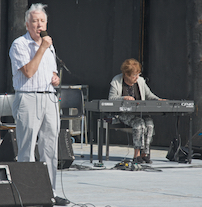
(163, 183)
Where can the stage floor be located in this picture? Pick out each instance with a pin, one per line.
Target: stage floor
(162, 183)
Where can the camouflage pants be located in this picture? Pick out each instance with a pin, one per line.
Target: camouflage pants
(143, 129)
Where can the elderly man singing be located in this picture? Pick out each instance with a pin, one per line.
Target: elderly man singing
(35, 107)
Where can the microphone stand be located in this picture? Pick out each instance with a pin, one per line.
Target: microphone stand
(62, 65)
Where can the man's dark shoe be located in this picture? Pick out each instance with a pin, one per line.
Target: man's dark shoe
(138, 160)
(147, 160)
(61, 201)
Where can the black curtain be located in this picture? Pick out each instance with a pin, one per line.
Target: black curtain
(93, 38)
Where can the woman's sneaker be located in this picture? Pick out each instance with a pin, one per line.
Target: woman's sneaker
(146, 159)
(138, 160)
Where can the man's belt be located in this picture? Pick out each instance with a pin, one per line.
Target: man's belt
(35, 91)
(43, 92)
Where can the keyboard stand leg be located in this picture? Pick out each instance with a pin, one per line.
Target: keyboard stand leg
(91, 136)
(190, 140)
(107, 140)
(100, 142)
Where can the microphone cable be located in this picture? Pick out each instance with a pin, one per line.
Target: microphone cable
(19, 196)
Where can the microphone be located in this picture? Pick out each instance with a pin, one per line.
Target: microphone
(45, 33)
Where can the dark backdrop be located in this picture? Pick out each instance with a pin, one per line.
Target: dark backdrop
(93, 38)
(166, 64)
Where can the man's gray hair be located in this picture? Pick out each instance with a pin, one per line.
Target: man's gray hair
(35, 7)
